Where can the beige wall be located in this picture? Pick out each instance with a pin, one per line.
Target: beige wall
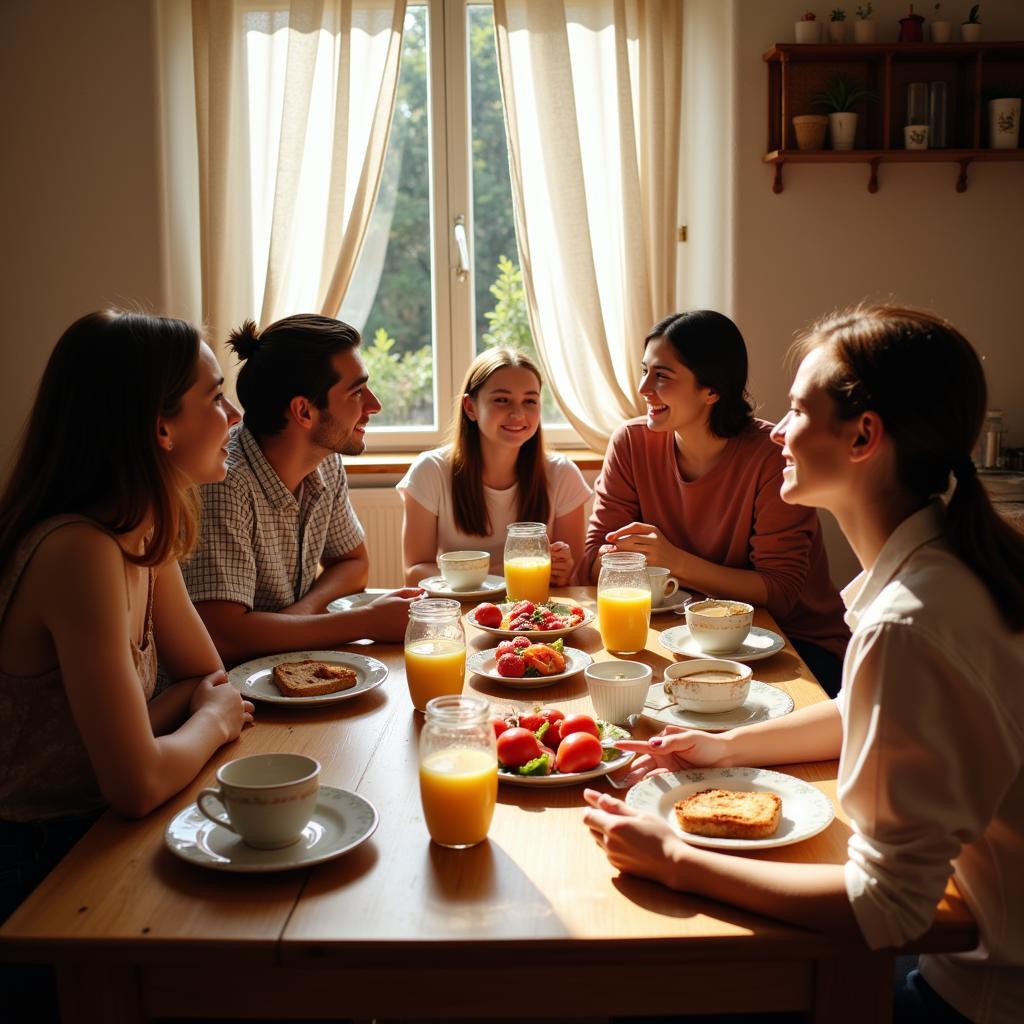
(78, 177)
(81, 200)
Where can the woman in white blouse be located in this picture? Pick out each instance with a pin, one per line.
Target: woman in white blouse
(929, 725)
(495, 472)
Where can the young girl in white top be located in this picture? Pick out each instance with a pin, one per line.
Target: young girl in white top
(929, 725)
(99, 506)
(495, 472)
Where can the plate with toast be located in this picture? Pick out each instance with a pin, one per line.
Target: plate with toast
(735, 808)
(308, 678)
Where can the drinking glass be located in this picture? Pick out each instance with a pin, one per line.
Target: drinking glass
(435, 650)
(458, 770)
(527, 562)
(624, 602)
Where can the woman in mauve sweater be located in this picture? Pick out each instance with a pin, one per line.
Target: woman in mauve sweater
(695, 484)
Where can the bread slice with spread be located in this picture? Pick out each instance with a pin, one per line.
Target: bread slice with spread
(313, 678)
(727, 814)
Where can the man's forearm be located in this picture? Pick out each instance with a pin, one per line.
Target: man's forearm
(348, 576)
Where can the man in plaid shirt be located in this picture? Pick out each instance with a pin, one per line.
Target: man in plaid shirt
(283, 510)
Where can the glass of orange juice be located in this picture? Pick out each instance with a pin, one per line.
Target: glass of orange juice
(527, 562)
(624, 602)
(458, 770)
(435, 650)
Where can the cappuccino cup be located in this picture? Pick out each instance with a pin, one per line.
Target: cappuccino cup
(663, 584)
(269, 798)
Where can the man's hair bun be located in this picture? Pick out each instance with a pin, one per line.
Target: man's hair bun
(245, 339)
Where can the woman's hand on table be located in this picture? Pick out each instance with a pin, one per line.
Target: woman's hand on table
(562, 564)
(215, 697)
(674, 749)
(635, 842)
(646, 539)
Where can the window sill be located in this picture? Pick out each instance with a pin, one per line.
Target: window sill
(391, 463)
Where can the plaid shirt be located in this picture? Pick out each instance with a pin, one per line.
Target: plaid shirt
(260, 546)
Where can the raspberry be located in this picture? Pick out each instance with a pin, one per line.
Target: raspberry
(511, 665)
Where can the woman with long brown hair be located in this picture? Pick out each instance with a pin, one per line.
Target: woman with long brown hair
(99, 506)
(886, 407)
(495, 472)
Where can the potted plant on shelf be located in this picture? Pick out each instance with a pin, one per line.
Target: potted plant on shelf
(941, 29)
(841, 95)
(970, 30)
(864, 27)
(837, 26)
(807, 28)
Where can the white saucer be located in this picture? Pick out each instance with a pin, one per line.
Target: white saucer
(806, 811)
(438, 586)
(341, 821)
(760, 643)
(255, 679)
(675, 601)
(483, 664)
(350, 601)
(763, 702)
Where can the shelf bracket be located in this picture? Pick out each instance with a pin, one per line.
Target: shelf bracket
(777, 184)
(873, 179)
(961, 181)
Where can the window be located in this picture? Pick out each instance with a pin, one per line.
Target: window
(438, 277)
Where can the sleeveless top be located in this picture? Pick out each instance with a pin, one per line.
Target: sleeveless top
(45, 770)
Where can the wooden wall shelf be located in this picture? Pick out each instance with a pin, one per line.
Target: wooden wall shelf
(971, 70)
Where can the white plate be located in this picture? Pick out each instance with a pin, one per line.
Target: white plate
(483, 663)
(534, 634)
(760, 643)
(675, 601)
(255, 679)
(350, 601)
(567, 778)
(438, 586)
(341, 821)
(806, 811)
(763, 703)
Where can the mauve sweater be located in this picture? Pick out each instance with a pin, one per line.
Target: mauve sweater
(733, 516)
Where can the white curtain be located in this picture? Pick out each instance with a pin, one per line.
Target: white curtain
(592, 92)
(293, 109)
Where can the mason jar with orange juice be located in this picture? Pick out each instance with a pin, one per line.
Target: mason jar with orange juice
(458, 770)
(527, 562)
(435, 650)
(624, 602)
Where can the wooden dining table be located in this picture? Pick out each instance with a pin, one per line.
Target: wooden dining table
(532, 923)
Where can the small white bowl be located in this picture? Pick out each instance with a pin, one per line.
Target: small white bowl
(618, 689)
(719, 627)
(694, 687)
(464, 570)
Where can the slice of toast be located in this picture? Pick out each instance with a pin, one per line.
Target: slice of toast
(313, 678)
(727, 814)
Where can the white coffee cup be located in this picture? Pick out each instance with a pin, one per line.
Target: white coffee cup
(464, 570)
(663, 584)
(618, 689)
(708, 686)
(719, 627)
(269, 798)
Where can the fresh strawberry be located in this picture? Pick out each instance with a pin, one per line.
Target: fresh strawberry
(506, 647)
(511, 666)
(520, 642)
(488, 615)
(522, 608)
(576, 610)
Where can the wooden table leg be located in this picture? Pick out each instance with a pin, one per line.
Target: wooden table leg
(91, 992)
(853, 991)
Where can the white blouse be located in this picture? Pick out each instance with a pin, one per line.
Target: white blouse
(932, 769)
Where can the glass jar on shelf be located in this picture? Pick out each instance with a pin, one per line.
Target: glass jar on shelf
(527, 562)
(435, 650)
(624, 602)
(458, 770)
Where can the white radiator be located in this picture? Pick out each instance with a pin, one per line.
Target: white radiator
(380, 511)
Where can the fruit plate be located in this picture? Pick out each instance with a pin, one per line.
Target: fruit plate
(534, 634)
(483, 664)
(806, 811)
(566, 778)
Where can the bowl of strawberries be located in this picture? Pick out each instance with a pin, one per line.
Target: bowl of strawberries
(542, 621)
